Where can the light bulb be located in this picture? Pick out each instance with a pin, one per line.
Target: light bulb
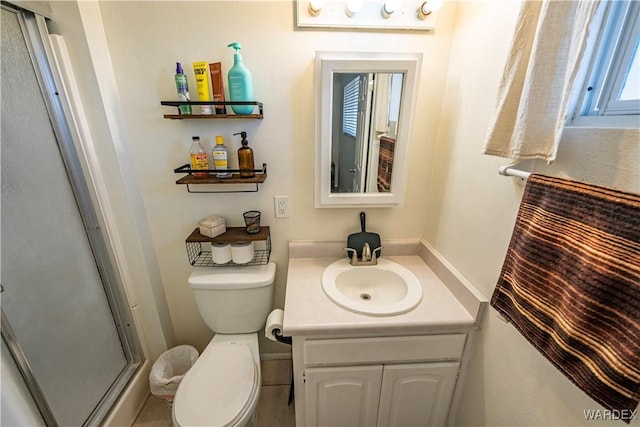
(388, 8)
(352, 7)
(428, 7)
(315, 7)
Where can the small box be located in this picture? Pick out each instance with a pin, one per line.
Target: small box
(212, 226)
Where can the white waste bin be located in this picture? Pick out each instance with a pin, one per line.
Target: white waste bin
(168, 371)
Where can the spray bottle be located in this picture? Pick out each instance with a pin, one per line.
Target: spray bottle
(183, 89)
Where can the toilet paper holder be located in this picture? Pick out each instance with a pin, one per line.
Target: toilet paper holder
(277, 334)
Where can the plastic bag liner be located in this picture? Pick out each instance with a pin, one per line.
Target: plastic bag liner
(168, 371)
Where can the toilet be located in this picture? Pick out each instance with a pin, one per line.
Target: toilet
(223, 386)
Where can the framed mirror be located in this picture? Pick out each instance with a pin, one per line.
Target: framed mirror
(364, 110)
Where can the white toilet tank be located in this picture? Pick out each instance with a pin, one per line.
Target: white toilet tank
(234, 300)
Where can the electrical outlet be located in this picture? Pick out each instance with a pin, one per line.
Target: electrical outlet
(282, 206)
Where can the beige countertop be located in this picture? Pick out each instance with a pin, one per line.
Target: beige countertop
(452, 307)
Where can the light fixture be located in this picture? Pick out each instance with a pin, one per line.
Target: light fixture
(315, 7)
(352, 7)
(427, 8)
(388, 8)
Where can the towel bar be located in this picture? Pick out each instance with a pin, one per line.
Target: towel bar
(508, 170)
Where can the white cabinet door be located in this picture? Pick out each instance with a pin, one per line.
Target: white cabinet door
(416, 394)
(342, 396)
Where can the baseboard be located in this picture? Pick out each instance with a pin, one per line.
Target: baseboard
(275, 356)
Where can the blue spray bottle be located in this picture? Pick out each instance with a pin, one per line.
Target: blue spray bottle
(240, 82)
(183, 89)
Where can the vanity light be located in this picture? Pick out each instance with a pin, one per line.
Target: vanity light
(352, 7)
(374, 15)
(315, 7)
(388, 8)
(428, 7)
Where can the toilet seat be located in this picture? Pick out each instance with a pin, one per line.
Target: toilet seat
(219, 389)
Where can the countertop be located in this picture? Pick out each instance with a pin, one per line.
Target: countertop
(444, 307)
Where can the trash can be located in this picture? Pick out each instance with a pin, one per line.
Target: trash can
(168, 371)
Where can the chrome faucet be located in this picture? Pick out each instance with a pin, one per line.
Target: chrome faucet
(369, 257)
(366, 253)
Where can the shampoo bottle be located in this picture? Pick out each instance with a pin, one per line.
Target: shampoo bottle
(221, 158)
(245, 158)
(183, 89)
(240, 83)
(198, 158)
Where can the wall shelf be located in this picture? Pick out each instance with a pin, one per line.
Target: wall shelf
(188, 180)
(199, 246)
(177, 104)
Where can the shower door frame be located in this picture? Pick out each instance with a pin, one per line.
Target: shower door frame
(36, 35)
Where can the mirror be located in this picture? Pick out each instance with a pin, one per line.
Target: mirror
(364, 109)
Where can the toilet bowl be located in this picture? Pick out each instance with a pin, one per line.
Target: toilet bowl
(223, 386)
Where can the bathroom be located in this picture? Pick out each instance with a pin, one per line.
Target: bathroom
(123, 55)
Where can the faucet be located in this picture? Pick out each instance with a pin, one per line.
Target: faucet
(369, 257)
(366, 252)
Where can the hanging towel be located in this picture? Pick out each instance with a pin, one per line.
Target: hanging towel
(570, 284)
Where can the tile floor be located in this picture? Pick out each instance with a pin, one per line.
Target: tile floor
(273, 410)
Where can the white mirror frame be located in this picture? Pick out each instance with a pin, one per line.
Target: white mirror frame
(326, 65)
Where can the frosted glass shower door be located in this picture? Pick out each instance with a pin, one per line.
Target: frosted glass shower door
(54, 297)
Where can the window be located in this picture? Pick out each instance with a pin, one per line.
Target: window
(350, 107)
(612, 77)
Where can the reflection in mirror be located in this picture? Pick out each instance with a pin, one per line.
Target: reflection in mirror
(366, 110)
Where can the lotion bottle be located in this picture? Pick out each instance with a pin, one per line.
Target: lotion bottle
(183, 89)
(220, 154)
(240, 82)
(245, 158)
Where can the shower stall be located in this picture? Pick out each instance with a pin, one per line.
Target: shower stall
(66, 323)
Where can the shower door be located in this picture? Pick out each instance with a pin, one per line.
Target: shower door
(64, 314)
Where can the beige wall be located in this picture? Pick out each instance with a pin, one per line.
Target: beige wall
(471, 214)
(146, 39)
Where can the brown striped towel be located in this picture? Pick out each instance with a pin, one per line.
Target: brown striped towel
(570, 284)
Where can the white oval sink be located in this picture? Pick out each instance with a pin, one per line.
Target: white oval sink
(379, 290)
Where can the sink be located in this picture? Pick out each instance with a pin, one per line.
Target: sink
(378, 290)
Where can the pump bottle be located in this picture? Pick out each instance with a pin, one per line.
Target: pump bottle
(240, 82)
(245, 158)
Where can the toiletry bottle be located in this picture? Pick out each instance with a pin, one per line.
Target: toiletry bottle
(240, 83)
(245, 158)
(221, 158)
(217, 86)
(201, 71)
(198, 158)
(183, 89)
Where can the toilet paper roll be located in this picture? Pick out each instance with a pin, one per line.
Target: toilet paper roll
(220, 253)
(274, 322)
(242, 252)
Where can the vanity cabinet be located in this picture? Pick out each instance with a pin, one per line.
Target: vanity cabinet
(376, 381)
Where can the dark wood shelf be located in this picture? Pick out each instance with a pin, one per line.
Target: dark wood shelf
(212, 179)
(235, 178)
(199, 248)
(233, 234)
(258, 116)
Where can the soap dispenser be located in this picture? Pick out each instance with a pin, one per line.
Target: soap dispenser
(245, 158)
(240, 82)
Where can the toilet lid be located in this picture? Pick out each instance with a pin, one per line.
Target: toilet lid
(218, 389)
